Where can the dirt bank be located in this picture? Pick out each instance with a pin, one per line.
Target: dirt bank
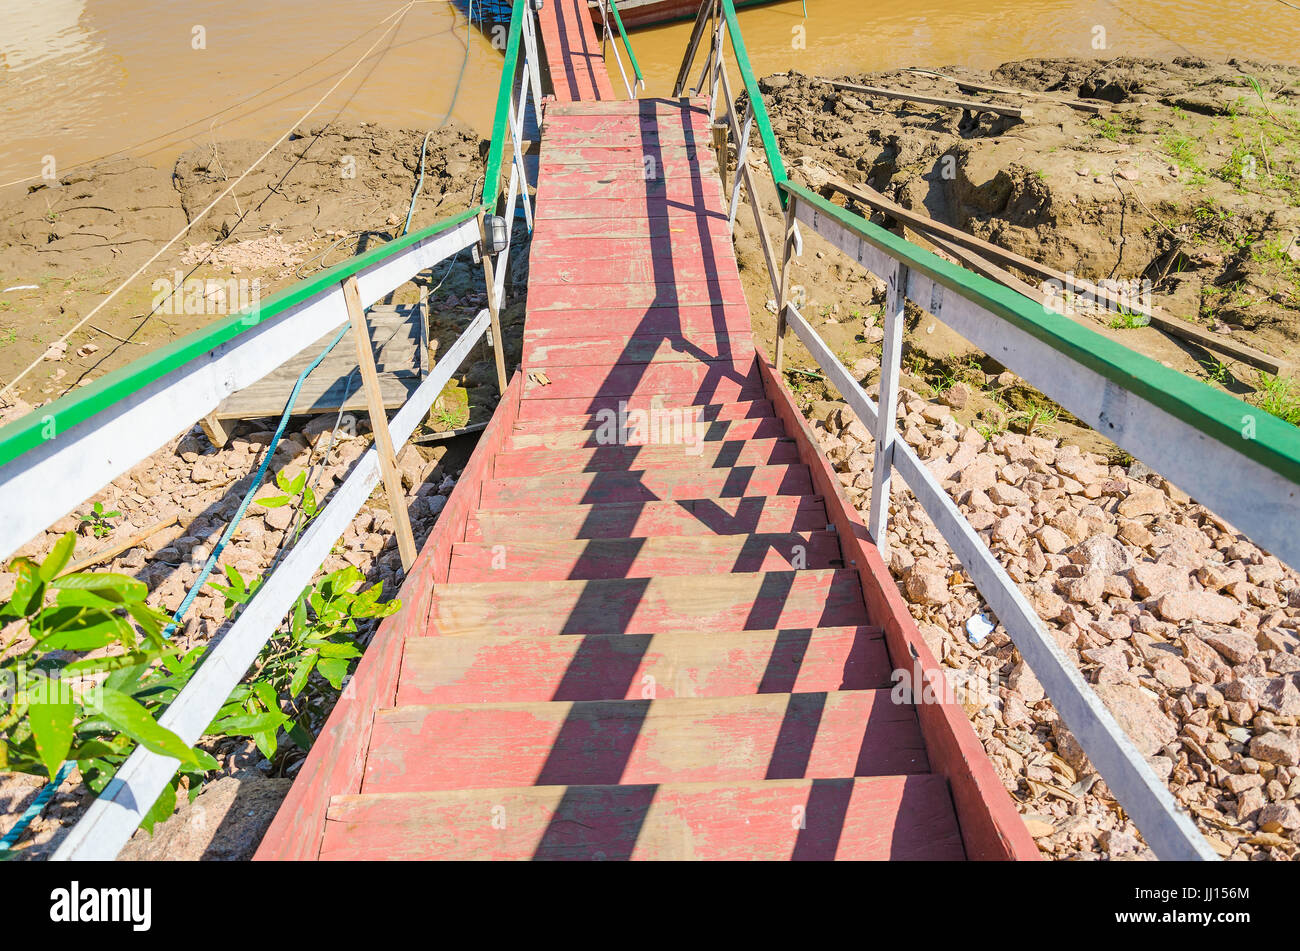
(1190, 181)
(318, 198)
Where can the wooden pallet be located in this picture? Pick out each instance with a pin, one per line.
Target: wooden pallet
(399, 338)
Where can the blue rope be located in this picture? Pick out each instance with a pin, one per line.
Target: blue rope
(43, 797)
(35, 808)
(252, 490)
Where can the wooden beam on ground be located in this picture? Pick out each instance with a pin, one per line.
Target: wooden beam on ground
(1216, 343)
(124, 545)
(970, 105)
(379, 426)
(1082, 105)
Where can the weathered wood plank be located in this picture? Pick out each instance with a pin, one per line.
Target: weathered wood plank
(736, 602)
(741, 515)
(607, 351)
(621, 666)
(692, 454)
(597, 559)
(900, 818)
(589, 742)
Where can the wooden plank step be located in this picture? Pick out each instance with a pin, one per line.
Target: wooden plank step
(607, 351)
(612, 188)
(900, 818)
(689, 452)
(641, 431)
(592, 488)
(677, 243)
(652, 319)
(736, 602)
(736, 516)
(510, 668)
(749, 409)
(616, 135)
(556, 208)
(656, 226)
(695, 107)
(635, 267)
(667, 158)
(721, 290)
(824, 735)
(531, 411)
(626, 165)
(712, 382)
(660, 556)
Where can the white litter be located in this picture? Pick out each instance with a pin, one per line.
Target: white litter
(978, 628)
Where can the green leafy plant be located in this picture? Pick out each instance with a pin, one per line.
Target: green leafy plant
(295, 488)
(99, 520)
(57, 703)
(300, 671)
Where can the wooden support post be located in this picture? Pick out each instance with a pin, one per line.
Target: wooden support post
(887, 401)
(783, 300)
(213, 429)
(498, 341)
(720, 149)
(379, 425)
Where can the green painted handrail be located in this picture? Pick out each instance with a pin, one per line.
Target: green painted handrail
(1275, 444)
(501, 119)
(627, 45)
(30, 431)
(770, 147)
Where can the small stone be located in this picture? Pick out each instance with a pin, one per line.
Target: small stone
(927, 587)
(1237, 648)
(1143, 502)
(1053, 540)
(1279, 817)
(278, 518)
(1198, 605)
(1276, 748)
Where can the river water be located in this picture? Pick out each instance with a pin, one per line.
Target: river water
(81, 79)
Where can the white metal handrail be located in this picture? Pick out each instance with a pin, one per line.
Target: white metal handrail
(114, 440)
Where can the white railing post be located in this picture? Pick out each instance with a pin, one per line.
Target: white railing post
(515, 118)
(613, 44)
(886, 424)
(741, 152)
(718, 39)
(532, 63)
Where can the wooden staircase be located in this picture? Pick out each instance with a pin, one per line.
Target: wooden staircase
(641, 627)
(644, 649)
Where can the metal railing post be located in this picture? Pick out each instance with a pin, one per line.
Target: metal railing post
(497, 342)
(887, 401)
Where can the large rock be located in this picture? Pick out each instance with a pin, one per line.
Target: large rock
(1276, 748)
(1101, 553)
(1199, 606)
(1235, 646)
(224, 823)
(1140, 716)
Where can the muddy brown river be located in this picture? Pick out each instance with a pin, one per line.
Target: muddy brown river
(81, 79)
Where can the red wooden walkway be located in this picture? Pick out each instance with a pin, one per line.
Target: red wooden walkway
(656, 636)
